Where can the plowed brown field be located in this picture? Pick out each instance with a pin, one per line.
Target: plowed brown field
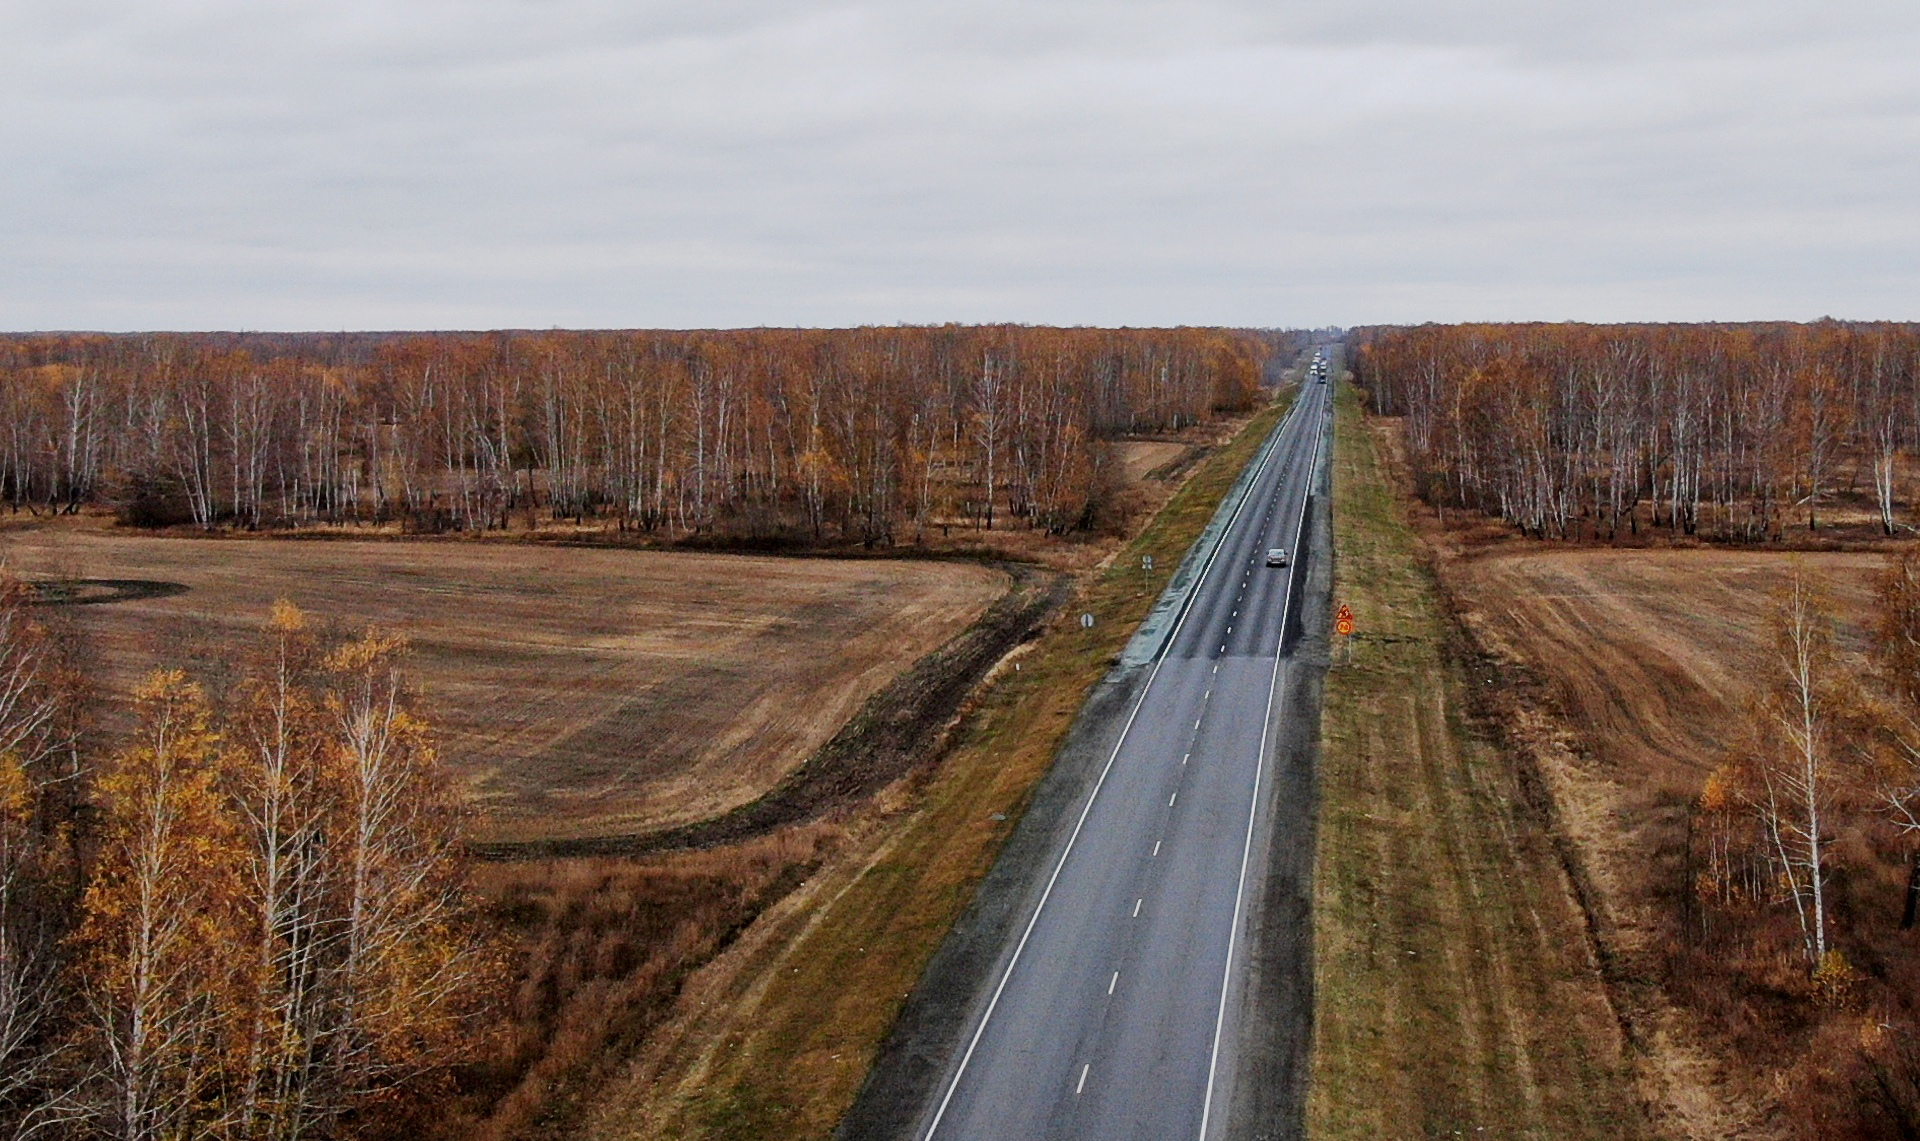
(578, 692)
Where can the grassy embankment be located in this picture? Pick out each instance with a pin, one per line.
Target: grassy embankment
(794, 1050)
(1455, 992)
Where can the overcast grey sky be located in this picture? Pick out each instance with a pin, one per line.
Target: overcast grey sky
(488, 163)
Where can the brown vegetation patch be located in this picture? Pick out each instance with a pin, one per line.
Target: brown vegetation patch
(1628, 677)
(578, 692)
(603, 946)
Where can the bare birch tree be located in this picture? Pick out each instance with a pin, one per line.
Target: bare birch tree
(1794, 773)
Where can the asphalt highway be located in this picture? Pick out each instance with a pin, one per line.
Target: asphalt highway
(1115, 1015)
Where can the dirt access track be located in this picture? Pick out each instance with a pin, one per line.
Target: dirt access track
(577, 692)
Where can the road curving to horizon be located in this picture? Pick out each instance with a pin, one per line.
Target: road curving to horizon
(1119, 998)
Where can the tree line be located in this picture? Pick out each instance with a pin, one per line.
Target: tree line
(244, 918)
(830, 435)
(1726, 431)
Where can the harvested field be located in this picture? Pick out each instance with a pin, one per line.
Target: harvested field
(578, 692)
(1652, 653)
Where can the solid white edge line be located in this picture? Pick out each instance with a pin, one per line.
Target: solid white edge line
(1253, 809)
(1186, 609)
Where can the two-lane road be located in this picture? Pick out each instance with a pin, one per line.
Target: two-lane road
(1114, 1015)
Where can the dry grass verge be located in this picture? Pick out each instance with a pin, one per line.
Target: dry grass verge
(601, 947)
(774, 1038)
(1456, 991)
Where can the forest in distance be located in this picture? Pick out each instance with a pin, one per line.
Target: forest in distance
(824, 436)
(1728, 432)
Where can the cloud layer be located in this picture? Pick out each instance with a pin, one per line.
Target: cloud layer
(485, 163)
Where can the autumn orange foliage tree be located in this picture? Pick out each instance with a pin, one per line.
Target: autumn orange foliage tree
(163, 916)
(1723, 430)
(832, 435)
(42, 784)
(273, 940)
(357, 963)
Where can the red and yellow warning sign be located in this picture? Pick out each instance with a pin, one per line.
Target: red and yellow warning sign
(1343, 621)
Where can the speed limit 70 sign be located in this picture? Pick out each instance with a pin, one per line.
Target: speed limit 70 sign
(1343, 621)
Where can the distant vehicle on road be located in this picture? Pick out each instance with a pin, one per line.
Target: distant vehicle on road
(1276, 556)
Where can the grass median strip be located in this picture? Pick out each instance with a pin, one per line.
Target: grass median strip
(1454, 994)
(800, 1042)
